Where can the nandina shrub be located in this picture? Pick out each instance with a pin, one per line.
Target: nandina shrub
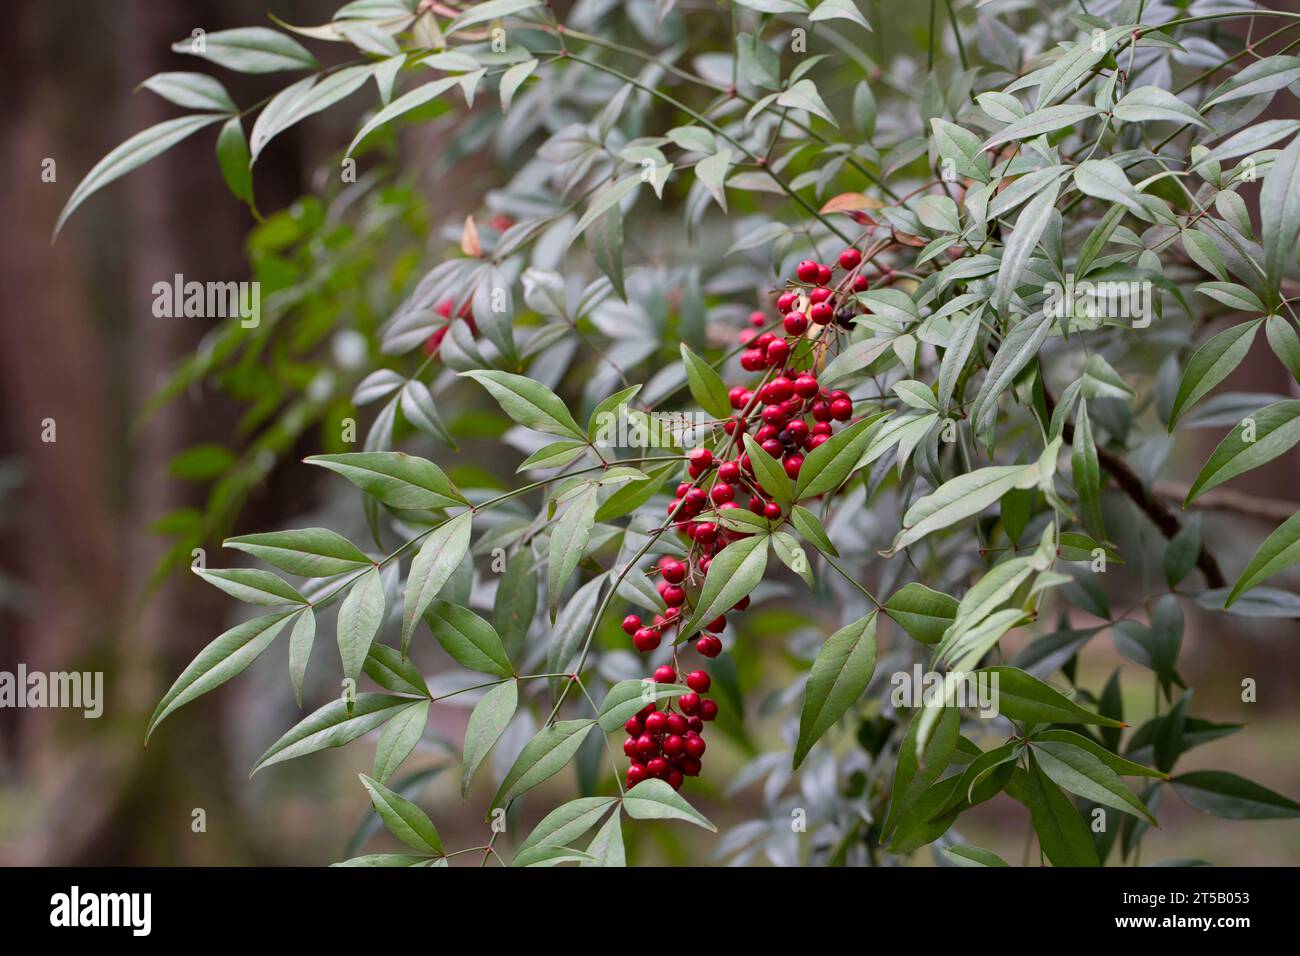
(921, 320)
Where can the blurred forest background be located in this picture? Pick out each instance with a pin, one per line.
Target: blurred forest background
(79, 344)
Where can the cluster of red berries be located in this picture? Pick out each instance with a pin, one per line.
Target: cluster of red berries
(668, 744)
(791, 415)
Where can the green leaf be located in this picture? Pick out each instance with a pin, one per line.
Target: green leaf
(803, 95)
(387, 860)
(437, 560)
(913, 775)
(194, 91)
(555, 455)
(310, 552)
(792, 555)
(252, 586)
(1042, 121)
(301, 639)
(1104, 179)
(1125, 768)
(487, 723)
(1087, 473)
(515, 603)
(395, 478)
(1023, 697)
(831, 463)
(492, 10)
(808, 525)
(1284, 342)
(390, 670)
(1231, 797)
(303, 99)
(706, 385)
(333, 725)
(403, 104)
(512, 79)
(921, 611)
(606, 847)
(733, 573)
(656, 800)
(839, 10)
(1211, 364)
(1062, 834)
(1274, 430)
(1083, 774)
(471, 641)
(854, 359)
(1030, 226)
(962, 147)
(1154, 104)
(839, 676)
(1281, 549)
(218, 662)
(543, 757)
(234, 159)
(627, 698)
(400, 737)
(960, 498)
(964, 855)
(360, 616)
(566, 823)
(404, 819)
(133, 153)
(609, 197)
(604, 240)
(569, 537)
(529, 403)
(249, 50)
(769, 473)
(1267, 75)
(1279, 210)
(712, 173)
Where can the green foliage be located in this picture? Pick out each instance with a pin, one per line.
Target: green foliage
(1032, 235)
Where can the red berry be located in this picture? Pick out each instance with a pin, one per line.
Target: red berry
(690, 767)
(722, 493)
(807, 271)
(708, 710)
(708, 646)
(752, 360)
(674, 595)
(676, 724)
(698, 681)
(656, 723)
(823, 275)
(696, 499)
(842, 409)
(645, 640)
(820, 294)
(860, 283)
(746, 336)
(694, 743)
(773, 447)
(705, 532)
(816, 441)
(674, 571)
(805, 386)
(688, 703)
(796, 323)
(636, 773)
(647, 746)
(736, 396)
(742, 604)
(850, 258)
(630, 748)
(786, 300)
(792, 465)
(673, 745)
(780, 389)
(729, 472)
(757, 319)
(822, 313)
(821, 411)
(771, 510)
(695, 724)
(664, 674)
(777, 352)
(656, 766)
(631, 623)
(674, 778)
(718, 624)
(700, 457)
(634, 727)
